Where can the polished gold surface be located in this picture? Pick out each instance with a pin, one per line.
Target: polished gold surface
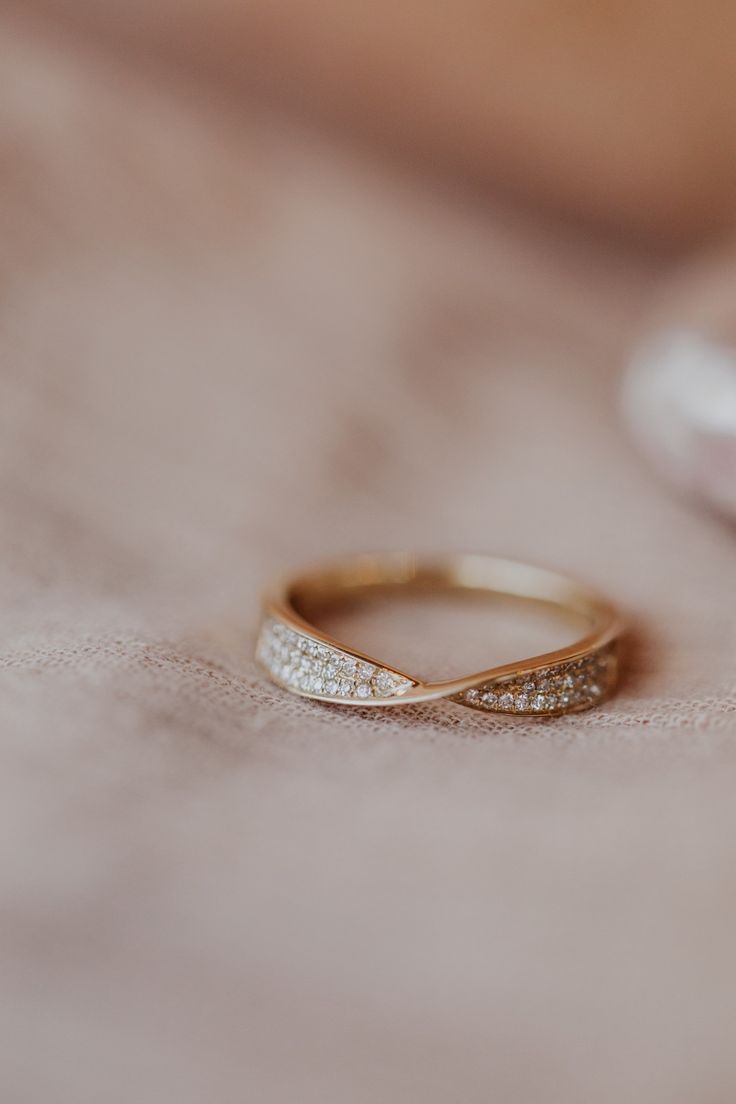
(305, 660)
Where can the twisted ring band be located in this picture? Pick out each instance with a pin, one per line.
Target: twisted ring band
(301, 658)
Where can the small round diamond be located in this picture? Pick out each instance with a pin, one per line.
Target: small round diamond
(344, 686)
(386, 684)
(506, 701)
(363, 690)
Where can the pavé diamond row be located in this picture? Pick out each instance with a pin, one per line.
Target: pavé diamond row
(311, 667)
(564, 688)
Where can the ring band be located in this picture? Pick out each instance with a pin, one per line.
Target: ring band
(303, 659)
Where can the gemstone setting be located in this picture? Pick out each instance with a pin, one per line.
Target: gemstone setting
(312, 667)
(564, 688)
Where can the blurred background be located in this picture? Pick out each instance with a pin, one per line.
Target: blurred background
(280, 281)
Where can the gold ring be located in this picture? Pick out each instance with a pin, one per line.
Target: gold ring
(303, 659)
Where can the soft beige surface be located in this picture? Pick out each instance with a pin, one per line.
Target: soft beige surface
(227, 349)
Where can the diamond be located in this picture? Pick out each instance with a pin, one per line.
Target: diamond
(363, 690)
(386, 684)
(349, 665)
(344, 686)
(506, 701)
(366, 670)
(331, 686)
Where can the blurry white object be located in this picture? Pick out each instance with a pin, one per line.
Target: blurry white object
(680, 402)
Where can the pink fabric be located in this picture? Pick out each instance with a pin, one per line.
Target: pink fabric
(228, 349)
